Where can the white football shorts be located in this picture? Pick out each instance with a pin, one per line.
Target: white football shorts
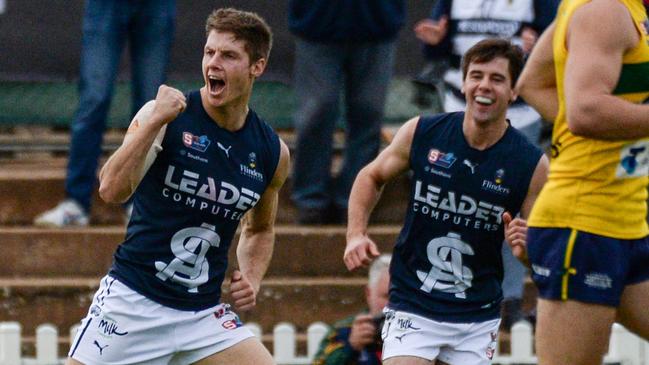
(407, 334)
(124, 327)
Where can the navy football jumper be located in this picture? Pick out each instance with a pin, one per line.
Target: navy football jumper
(189, 204)
(447, 263)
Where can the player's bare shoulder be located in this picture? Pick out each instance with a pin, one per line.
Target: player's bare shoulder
(283, 165)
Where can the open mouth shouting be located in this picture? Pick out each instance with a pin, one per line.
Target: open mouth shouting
(216, 84)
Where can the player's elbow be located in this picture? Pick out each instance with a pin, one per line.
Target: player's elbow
(523, 88)
(372, 174)
(578, 126)
(527, 86)
(583, 117)
(259, 229)
(110, 193)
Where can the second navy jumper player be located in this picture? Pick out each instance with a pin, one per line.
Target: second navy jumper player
(471, 172)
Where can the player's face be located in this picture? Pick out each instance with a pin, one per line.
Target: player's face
(488, 90)
(377, 297)
(227, 71)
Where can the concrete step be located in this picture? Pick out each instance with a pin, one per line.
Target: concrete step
(299, 251)
(298, 300)
(28, 188)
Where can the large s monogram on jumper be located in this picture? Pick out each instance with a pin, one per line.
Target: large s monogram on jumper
(189, 267)
(447, 273)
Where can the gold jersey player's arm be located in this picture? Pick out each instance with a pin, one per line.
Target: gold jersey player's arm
(537, 84)
(607, 32)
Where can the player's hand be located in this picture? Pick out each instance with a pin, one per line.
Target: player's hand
(168, 104)
(529, 37)
(242, 291)
(360, 252)
(516, 236)
(432, 32)
(362, 332)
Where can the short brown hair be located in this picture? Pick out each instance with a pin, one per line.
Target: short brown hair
(488, 49)
(246, 26)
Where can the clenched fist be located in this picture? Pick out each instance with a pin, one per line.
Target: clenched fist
(168, 104)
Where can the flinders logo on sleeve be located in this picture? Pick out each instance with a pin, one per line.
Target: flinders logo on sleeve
(198, 143)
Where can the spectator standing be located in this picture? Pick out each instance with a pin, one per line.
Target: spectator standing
(356, 339)
(341, 46)
(148, 27)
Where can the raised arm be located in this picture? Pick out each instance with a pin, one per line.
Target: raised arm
(257, 238)
(537, 84)
(599, 34)
(124, 170)
(391, 162)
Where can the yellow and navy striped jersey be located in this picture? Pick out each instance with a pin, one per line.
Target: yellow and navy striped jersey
(598, 186)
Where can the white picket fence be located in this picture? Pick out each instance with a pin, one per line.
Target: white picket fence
(625, 348)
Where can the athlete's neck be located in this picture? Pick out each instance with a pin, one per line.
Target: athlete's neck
(230, 116)
(483, 135)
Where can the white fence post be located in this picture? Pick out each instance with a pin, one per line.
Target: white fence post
(522, 340)
(284, 343)
(10, 343)
(47, 347)
(624, 347)
(314, 335)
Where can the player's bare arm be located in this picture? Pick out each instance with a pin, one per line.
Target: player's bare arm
(599, 34)
(539, 178)
(516, 228)
(390, 163)
(537, 84)
(257, 238)
(125, 169)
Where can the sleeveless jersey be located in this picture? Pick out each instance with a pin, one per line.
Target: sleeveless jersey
(447, 263)
(189, 204)
(598, 186)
